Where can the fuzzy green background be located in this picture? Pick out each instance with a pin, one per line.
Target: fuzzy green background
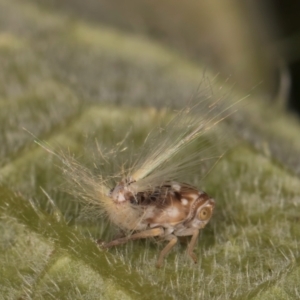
(71, 82)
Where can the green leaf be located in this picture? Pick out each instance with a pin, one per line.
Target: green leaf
(64, 80)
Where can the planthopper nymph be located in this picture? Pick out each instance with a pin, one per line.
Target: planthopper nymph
(169, 211)
(152, 197)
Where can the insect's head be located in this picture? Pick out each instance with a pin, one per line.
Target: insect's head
(202, 211)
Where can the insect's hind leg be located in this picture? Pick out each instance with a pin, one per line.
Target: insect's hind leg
(159, 231)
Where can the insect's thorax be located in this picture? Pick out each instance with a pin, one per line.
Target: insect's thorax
(172, 205)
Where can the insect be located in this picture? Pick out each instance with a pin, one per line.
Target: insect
(151, 198)
(169, 211)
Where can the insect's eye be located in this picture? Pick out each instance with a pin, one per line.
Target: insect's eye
(204, 214)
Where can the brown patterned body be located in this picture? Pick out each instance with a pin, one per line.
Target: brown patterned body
(168, 211)
(170, 204)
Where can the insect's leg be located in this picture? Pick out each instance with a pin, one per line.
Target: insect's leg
(139, 235)
(172, 242)
(191, 245)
